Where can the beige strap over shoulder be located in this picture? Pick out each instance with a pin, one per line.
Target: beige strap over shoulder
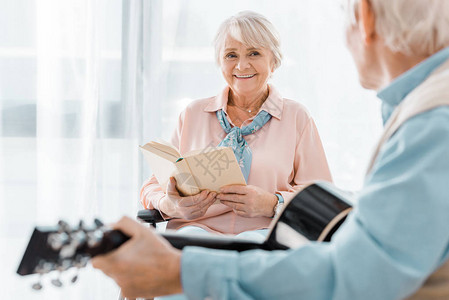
(432, 93)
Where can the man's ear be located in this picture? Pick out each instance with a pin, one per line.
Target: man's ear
(367, 24)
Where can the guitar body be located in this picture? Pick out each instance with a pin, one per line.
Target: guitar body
(314, 214)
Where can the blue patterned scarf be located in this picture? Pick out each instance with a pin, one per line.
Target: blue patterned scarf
(235, 140)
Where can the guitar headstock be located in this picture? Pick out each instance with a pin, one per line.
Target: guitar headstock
(61, 247)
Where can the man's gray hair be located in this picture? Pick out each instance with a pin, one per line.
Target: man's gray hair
(418, 27)
(251, 29)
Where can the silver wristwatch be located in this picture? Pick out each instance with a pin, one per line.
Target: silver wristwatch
(278, 207)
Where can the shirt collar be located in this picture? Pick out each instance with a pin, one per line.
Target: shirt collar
(397, 90)
(273, 105)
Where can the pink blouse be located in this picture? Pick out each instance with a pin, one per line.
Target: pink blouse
(287, 154)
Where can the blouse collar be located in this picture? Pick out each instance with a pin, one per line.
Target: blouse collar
(273, 105)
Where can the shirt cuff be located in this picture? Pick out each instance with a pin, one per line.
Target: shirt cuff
(205, 271)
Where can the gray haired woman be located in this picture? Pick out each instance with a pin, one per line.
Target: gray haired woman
(274, 139)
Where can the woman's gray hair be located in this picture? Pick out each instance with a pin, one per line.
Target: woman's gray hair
(419, 27)
(252, 30)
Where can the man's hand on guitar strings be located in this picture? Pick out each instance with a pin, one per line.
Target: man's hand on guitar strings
(145, 266)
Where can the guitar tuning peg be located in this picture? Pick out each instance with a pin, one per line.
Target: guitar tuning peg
(74, 278)
(94, 238)
(62, 266)
(81, 225)
(63, 226)
(37, 286)
(98, 223)
(56, 282)
(44, 267)
(57, 240)
(79, 262)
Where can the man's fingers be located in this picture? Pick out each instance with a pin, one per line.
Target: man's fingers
(128, 226)
(105, 262)
(99, 262)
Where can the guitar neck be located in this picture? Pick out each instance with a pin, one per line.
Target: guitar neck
(213, 242)
(114, 239)
(314, 214)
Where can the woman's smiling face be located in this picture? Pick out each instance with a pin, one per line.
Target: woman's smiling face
(246, 69)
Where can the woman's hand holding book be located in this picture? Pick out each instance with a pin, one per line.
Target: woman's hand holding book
(189, 207)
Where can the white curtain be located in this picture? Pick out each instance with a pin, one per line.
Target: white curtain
(83, 83)
(70, 148)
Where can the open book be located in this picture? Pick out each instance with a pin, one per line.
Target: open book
(206, 169)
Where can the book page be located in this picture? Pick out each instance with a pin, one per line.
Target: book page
(205, 150)
(215, 168)
(185, 182)
(164, 147)
(155, 151)
(161, 164)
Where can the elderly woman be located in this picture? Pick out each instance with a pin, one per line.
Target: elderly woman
(275, 139)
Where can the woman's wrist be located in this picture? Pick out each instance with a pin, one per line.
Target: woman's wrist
(279, 204)
(166, 207)
(272, 206)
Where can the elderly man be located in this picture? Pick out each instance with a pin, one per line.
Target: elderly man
(395, 244)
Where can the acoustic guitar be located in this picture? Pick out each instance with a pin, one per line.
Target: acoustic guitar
(314, 214)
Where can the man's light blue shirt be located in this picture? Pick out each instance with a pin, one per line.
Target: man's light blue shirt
(392, 95)
(396, 236)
